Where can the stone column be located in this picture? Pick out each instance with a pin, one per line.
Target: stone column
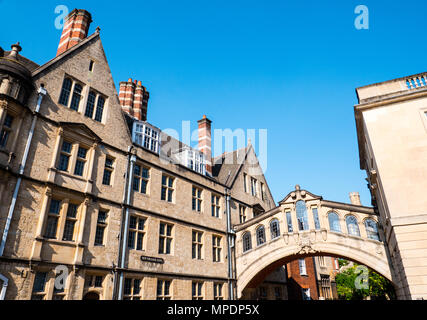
(78, 258)
(52, 170)
(38, 241)
(89, 182)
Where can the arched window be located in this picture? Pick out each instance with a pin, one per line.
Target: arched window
(302, 215)
(274, 228)
(65, 91)
(260, 235)
(334, 222)
(247, 243)
(372, 229)
(352, 226)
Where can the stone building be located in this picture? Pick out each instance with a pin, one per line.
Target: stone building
(391, 121)
(96, 202)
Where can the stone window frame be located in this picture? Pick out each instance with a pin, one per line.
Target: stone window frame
(18, 115)
(261, 237)
(354, 222)
(254, 187)
(197, 244)
(216, 248)
(76, 139)
(101, 224)
(197, 290)
(162, 294)
(218, 292)
(49, 292)
(166, 237)
(274, 234)
(247, 241)
(138, 232)
(94, 112)
(302, 267)
(141, 178)
(83, 93)
(242, 213)
(197, 199)
(168, 187)
(108, 171)
(62, 217)
(133, 294)
(215, 205)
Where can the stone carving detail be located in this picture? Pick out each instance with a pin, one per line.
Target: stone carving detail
(305, 245)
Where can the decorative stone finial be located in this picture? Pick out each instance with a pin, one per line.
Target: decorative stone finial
(297, 187)
(15, 49)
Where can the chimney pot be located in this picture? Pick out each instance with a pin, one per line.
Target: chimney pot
(76, 27)
(205, 143)
(355, 198)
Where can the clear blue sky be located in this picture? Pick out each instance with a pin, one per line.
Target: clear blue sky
(288, 66)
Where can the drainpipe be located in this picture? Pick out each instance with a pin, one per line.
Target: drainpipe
(4, 287)
(230, 243)
(125, 186)
(41, 93)
(126, 226)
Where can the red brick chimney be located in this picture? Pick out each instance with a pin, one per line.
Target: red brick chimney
(76, 27)
(133, 97)
(205, 143)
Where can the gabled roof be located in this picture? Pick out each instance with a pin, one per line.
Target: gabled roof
(65, 53)
(292, 194)
(227, 166)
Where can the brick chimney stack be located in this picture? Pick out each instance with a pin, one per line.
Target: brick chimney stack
(76, 27)
(133, 97)
(355, 198)
(205, 142)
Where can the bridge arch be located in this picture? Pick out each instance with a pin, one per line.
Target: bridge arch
(318, 239)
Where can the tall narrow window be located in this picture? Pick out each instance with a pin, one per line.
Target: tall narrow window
(91, 62)
(101, 224)
(163, 289)
(165, 238)
(372, 229)
(52, 219)
(247, 243)
(81, 161)
(289, 221)
(334, 222)
(108, 171)
(242, 213)
(197, 245)
(253, 186)
(260, 235)
(197, 199)
(39, 286)
(274, 228)
(216, 248)
(6, 131)
(70, 222)
(302, 215)
(64, 157)
(302, 267)
(215, 206)
(75, 100)
(217, 290)
(197, 290)
(65, 91)
(262, 192)
(352, 225)
(245, 178)
(316, 218)
(167, 188)
(90, 104)
(141, 176)
(278, 293)
(99, 108)
(136, 233)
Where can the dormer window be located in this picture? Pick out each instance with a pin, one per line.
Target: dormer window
(195, 160)
(146, 136)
